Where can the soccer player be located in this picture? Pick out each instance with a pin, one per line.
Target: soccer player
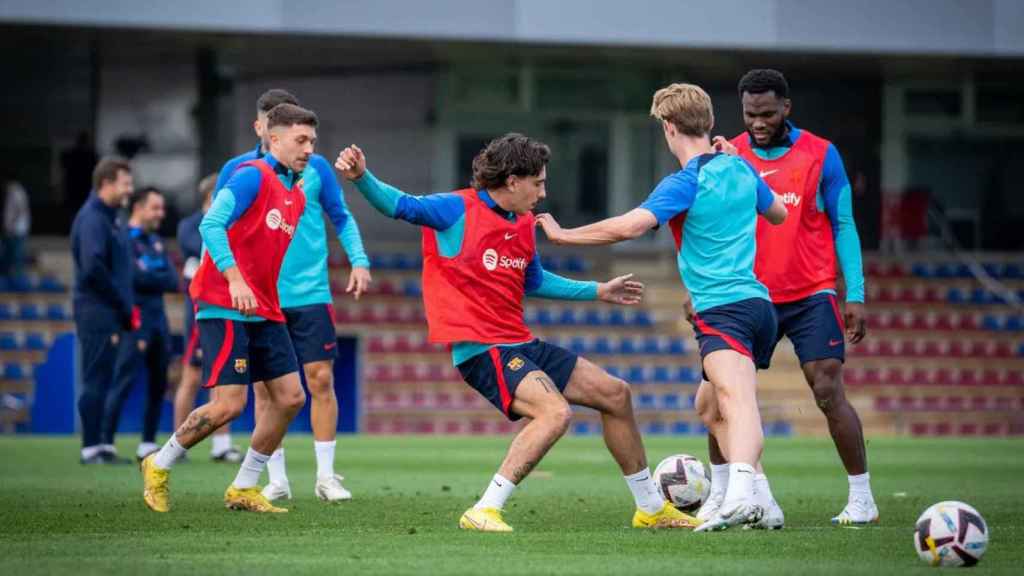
(798, 263)
(479, 262)
(307, 303)
(191, 244)
(241, 327)
(102, 299)
(152, 277)
(712, 206)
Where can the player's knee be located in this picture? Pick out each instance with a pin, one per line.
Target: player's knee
(320, 383)
(229, 406)
(558, 417)
(828, 387)
(705, 407)
(617, 394)
(292, 400)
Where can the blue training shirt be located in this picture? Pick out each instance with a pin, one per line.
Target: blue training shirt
(721, 196)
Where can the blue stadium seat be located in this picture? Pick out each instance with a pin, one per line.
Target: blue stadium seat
(990, 322)
(993, 269)
(550, 263)
(921, 270)
(636, 374)
(700, 429)
(3, 284)
(651, 345)
(578, 345)
(575, 264)
(5, 311)
(677, 346)
(19, 284)
(680, 429)
(403, 262)
(544, 317)
(8, 341)
(601, 345)
(592, 317)
(1014, 324)
(962, 271)
(654, 428)
(643, 318)
(411, 288)
(671, 402)
(688, 375)
(691, 401)
(956, 296)
(662, 374)
(780, 428)
(581, 428)
(13, 371)
(613, 371)
(51, 285)
(35, 341)
(55, 312)
(616, 318)
(943, 270)
(646, 402)
(627, 346)
(1013, 271)
(1020, 351)
(567, 317)
(29, 312)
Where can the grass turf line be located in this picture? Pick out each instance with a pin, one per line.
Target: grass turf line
(571, 516)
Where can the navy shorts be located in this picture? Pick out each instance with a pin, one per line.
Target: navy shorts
(312, 332)
(815, 327)
(245, 352)
(747, 326)
(496, 374)
(193, 355)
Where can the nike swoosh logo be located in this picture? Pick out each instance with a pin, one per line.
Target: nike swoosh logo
(510, 235)
(768, 173)
(834, 342)
(498, 484)
(287, 202)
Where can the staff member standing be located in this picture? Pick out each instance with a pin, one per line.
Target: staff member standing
(153, 276)
(102, 297)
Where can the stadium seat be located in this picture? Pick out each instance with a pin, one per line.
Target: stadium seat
(616, 318)
(979, 403)
(687, 375)
(35, 341)
(411, 289)
(19, 284)
(8, 341)
(636, 375)
(13, 371)
(581, 428)
(920, 429)
(613, 371)
(577, 345)
(646, 402)
(662, 375)
(567, 317)
(680, 428)
(651, 345)
(602, 345)
(1014, 324)
(991, 322)
(592, 317)
(643, 318)
(677, 346)
(884, 403)
(575, 264)
(56, 313)
(543, 317)
(29, 311)
(51, 285)
(5, 311)
(671, 402)
(654, 428)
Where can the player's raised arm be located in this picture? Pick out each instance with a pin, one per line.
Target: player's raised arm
(608, 231)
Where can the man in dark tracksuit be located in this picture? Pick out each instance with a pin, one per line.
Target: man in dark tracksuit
(102, 298)
(153, 276)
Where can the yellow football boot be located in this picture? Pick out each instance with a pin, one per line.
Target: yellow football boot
(667, 517)
(249, 499)
(484, 520)
(154, 485)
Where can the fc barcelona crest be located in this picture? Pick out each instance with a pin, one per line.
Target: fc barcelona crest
(515, 364)
(241, 364)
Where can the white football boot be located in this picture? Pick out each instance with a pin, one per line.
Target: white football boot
(331, 490)
(711, 506)
(736, 513)
(275, 491)
(858, 512)
(773, 518)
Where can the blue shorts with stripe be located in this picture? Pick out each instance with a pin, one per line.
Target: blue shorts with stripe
(245, 352)
(311, 329)
(496, 374)
(815, 327)
(193, 355)
(748, 327)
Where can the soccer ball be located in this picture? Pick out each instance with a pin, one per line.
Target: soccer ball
(682, 481)
(951, 534)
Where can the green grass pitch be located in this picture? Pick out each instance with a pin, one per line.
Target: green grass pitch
(571, 517)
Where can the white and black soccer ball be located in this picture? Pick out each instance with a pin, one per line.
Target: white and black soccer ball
(951, 534)
(683, 482)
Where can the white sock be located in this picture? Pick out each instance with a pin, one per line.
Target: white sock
(90, 451)
(860, 486)
(250, 470)
(169, 454)
(497, 493)
(145, 448)
(108, 448)
(719, 476)
(276, 469)
(324, 458)
(645, 491)
(762, 491)
(741, 482)
(221, 444)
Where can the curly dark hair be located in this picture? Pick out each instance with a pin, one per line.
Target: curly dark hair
(764, 80)
(510, 155)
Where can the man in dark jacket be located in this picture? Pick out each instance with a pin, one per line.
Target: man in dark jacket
(150, 344)
(102, 297)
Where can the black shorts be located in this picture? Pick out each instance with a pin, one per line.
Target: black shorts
(193, 355)
(496, 374)
(311, 329)
(245, 352)
(747, 326)
(814, 326)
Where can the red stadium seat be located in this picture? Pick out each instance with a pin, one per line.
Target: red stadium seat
(1014, 378)
(884, 404)
(991, 378)
(920, 429)
(1003, 404)
(932, 349)
(967, 322)
(959, 349)
(919, 376)
(942, 377)
(969, 377)
(907, 403)
(886, 348)
(943, 429)
(894, 377)
(376, 345)
(872, 376)
(931, 403)
(968, 429)
(993, 429)
(923, 322)
(955, 403)
(852, 376)
(980, 403)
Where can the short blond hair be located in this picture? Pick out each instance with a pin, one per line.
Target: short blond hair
(685, 106)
